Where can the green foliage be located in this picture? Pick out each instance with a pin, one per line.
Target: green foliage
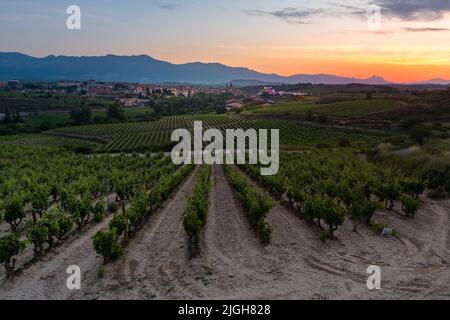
(51, 221)
(81, 115)
(65, 223)
(81, 210)
(115, 112)
(263, 230)
(410, 205)
(14, 211)
(413, 186)
(326, 186)
(138, 208)
(119, 223)
(155, 135)
(195, 214)
(105, 244)
(99, 211)
(10, 246)
(256, 205)
(39, 199)
(38, 234)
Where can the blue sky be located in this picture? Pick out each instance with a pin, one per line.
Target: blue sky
(282, 36)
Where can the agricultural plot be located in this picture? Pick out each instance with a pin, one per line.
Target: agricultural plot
(353, 108)
(326, 187)
(44, 140)
(142, 136)
(357, 108)
(47, 194)
(143, 234)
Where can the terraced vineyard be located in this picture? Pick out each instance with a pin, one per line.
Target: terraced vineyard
(142, 136)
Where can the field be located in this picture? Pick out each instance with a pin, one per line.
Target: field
(122, 219)
(63, 117)
(104, 198)
(43, 140)
(353, 108)
(141, 136)
(46, 102)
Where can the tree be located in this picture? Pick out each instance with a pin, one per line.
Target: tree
(14, 212)
(10, 246)
(82, 115)
(105, 243)
(115, 112)
(99, 211)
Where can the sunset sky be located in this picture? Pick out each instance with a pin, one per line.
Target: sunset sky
(283, 36)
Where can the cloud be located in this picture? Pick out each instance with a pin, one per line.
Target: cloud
(419, 10)
(290, 15)
(425, 29)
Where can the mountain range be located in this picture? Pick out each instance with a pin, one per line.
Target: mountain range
(145, 69)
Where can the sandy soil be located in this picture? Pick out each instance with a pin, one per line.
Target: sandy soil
(233, 264)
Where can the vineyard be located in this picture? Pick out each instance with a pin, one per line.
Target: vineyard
(330, 186)
(47, 193)
(139, 226)
(43, 140)
(155, 136)
(352, 108)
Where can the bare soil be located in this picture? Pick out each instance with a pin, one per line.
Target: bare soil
(234, 265)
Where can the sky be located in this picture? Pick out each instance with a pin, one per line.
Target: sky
(408, 41)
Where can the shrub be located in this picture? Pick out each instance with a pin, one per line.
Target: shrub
(119, 223)
(99, 212)
(105, 244)
(37, 234)
(10, 246)
(14, 212)
(410, 206)
(264, 231)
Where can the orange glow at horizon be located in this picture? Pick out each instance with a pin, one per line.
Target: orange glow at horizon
(390, 72)
(393, 63)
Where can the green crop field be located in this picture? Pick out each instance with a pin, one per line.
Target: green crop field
(284, 108)
(60, 118)
(141, 136)
(357, 108)
(42, 140)
(346, 109)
